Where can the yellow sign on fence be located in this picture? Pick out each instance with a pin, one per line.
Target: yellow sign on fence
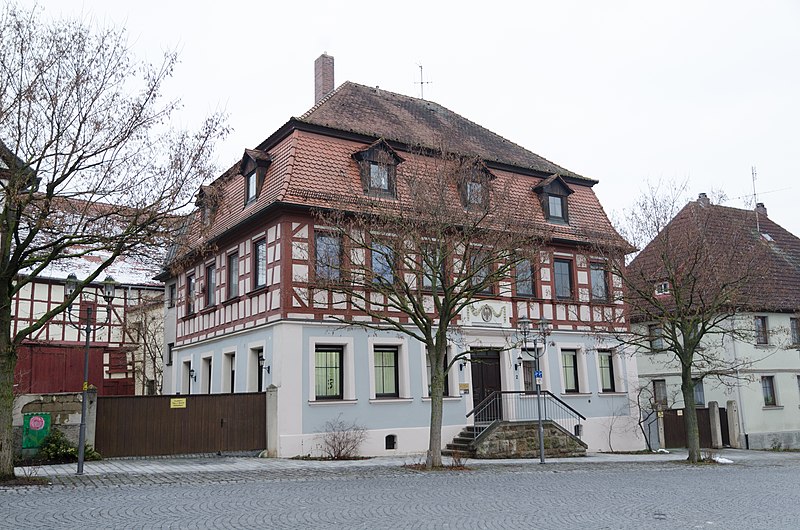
(177, 403)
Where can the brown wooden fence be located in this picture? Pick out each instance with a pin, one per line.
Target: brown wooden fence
(675, 429)
(152, 425)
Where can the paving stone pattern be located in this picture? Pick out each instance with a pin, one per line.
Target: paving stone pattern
(760, 490)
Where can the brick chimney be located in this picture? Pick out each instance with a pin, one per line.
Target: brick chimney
(761, 209)
(702, 199)
(323, 77)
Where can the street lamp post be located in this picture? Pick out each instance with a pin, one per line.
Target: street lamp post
(109, 285)
(524, 326)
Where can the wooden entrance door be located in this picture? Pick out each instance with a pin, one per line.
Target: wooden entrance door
(485, 380)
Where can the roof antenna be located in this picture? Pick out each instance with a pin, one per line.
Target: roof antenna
(755, 198)
(421, 83)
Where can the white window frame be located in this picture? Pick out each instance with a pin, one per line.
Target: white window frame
(452, 377)
(580, 360)
(403, 374)
(348, 368)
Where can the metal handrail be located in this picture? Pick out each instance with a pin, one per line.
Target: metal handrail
(516, 405)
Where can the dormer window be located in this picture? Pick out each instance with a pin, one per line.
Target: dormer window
(253, 167)
(378, 177)
(378, 167)
(473, 183)
(554, 193)
(206, 202)
(250, 188)
(662, 288)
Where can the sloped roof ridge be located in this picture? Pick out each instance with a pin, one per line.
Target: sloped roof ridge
(561, 170)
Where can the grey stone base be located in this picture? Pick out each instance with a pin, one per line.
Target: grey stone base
(774, 440)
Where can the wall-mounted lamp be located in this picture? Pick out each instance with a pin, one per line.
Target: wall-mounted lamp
(462, 365)
(518, 363)
(267, 368)
(192, 375)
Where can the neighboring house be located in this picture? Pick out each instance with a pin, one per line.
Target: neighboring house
(243, 314)
(51, 360)
(756, 365)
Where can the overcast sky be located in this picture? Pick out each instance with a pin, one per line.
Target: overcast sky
(622, 92)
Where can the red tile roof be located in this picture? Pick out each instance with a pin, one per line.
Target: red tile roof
(716, 244)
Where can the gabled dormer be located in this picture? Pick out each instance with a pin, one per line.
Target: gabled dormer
(253, 168)
(473, 183)
(553, 193)
(378, 167)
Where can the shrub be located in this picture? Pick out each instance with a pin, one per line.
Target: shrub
(341, 440)
(56, 449)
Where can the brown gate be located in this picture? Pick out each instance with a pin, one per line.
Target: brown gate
(675, 429)
(157, 425)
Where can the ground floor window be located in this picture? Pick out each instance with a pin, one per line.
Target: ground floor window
(328, 372)
(768, 389)
(569, 360)
(386, 376)
(606, 362)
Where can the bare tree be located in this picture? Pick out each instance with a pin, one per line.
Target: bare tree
(90, 164)
(146, 328)
(452, 236)
(700, 268)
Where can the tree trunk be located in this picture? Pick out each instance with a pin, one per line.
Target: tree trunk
(434, 458)
(8, 359)
(690, 416)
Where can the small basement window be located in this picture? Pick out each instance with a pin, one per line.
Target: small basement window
(391, 441)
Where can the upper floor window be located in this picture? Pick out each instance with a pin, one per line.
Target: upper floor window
(211, 285)
(476, 194)
(260, 262)
(473, 183)
(762, 333)
(383, 263)
(524, 278)
(481, 271)
(554, 194)
(190, 294)
(233, 275)
(328, 256)
(656, 337)
(173, 294)
(563, 278)
(662, 288)
(794, 330)
(378, 167)
(599, 282)
(433, 266)
(768, 390)
(254, 167)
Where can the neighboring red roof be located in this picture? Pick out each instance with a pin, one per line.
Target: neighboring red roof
(715, 245)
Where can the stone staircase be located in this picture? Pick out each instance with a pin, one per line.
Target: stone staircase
(514, 440)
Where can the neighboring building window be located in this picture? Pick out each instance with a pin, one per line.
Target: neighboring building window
(328, 375)
(251, 187)
(378, 177)
(699, 393)
(170, 347)
(211, 285)
(794, 328)
(233, 275)
(524, 278)
(762, 337)
(660, 393)
(190, 294)
(768, 389)
(556, 208)
(606, 360)
(481, 269)
(528, 374)
(386, 372)
(563, 278)
(173, 294)
(599, 282)
(569, 362)
(260, 262)
(656, 334)
(662, 288)
(328, 252)
(382, 263)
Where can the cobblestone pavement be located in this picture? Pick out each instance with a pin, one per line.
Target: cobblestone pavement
(759, 490)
